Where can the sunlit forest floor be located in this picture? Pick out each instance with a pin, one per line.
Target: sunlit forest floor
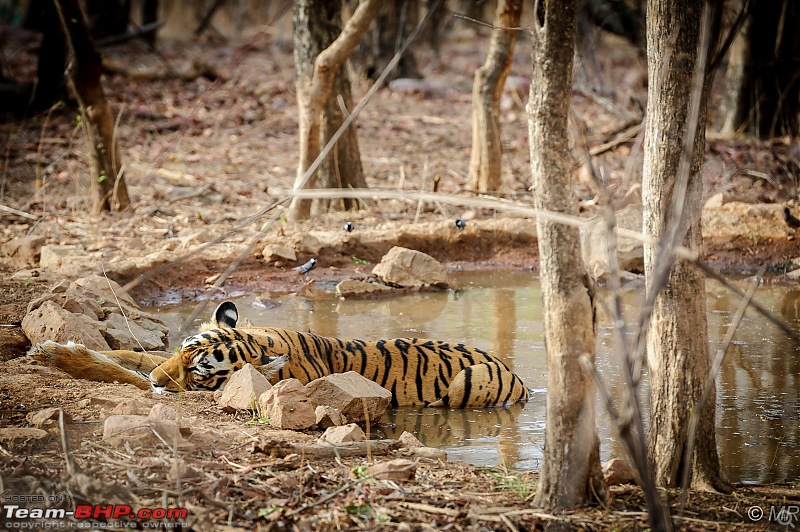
(200, 156)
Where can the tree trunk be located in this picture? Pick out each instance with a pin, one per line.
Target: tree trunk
(678, 353)
(108, 182)
(763, 76)
(321, 48)
(487, 146)
(50, 86)
(395, 21)
(570, 473)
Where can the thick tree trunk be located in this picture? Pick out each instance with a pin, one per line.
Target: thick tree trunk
(487, 147)
(763, 75)
(108, 182)
(570, 473)
(321, 48)
(678, 352)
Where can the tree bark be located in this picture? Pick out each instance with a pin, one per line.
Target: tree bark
(763, 75)
(678, 352)
(570, 474)
(109, 184)
(316, 24)
(487, 146)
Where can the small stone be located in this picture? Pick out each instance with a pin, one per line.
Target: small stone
(22, 437)
(140, 431)
(409, 440)
(276, 252)
(180, 469)
(352, 394)
(397, 470)
(352, 289)
(130, 407)
(617, 471)
(46, 418)
(287, 406)
(244, 388)
(24, 251)
(343, 434)
(327, 416)
(53, 257)
(431, 453)
(163, 411)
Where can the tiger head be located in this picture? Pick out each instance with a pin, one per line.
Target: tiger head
(206, 360)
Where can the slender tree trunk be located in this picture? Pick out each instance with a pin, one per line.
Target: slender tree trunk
(487, 146)
(315, 86)
(678, 352)
(50, 86)
(111, 193)
(570, 473)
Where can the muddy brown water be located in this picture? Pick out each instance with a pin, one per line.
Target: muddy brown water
(758, 401)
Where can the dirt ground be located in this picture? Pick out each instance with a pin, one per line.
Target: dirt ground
(200, 156)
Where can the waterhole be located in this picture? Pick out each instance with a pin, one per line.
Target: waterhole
(758, 409)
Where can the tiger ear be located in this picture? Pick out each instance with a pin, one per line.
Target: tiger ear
(226, 315)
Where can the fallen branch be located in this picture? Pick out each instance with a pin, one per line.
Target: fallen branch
(280, 449)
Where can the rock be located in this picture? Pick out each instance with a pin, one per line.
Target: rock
(347, 393)
(122, 333)
(793, 275)
(130, 407)
(617, 471)
(327, 416)
(46, 419)
(244, 388)
(306, 243)
(106, 292)
(163, 411)
(53, 257)
(716, 200)
(397, 470)
(419, 87)
(51, 322)
(409, 268)
(275, 252)
(287, 406)
(734, 219)
(140, 431)
(630, 252)
(181, 470)
(632, 197)
(24, 251)
(18, 438)
(409, 440)
(343, 434)
(352, 289)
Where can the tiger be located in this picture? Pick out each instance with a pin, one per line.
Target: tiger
(416, 371)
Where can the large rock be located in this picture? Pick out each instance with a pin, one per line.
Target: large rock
(24, 251)
(51, 322)
(244, 388)
(143, 431)
(93, 307)
(327, 416)
(594, 244)
(410, 268)
(287, 406)
(351, 394)
(124, 333)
